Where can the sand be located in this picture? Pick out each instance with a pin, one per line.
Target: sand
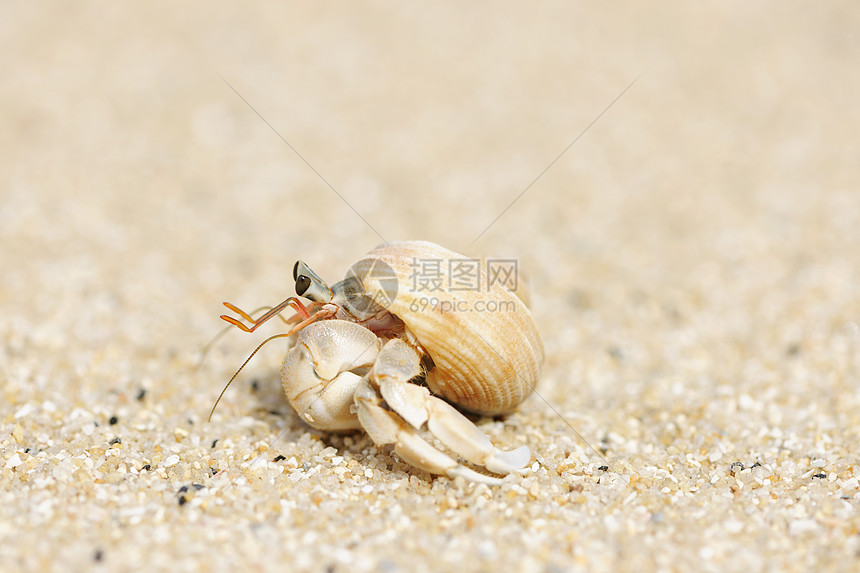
(693, 261)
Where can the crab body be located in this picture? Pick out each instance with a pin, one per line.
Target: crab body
(373, 354)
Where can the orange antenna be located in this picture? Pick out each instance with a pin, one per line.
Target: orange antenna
(221, 395)
(208, 347)
(308, 320)
(293, 302)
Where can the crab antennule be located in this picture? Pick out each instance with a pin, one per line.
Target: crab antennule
(204, 352)
(310, 318)
(292, 302)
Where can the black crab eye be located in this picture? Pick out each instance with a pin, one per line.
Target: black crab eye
(296, 271)
(303, 283)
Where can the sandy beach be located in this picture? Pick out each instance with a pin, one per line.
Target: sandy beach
(679, 186)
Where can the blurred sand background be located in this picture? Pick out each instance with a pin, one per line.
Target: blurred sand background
(693, 259)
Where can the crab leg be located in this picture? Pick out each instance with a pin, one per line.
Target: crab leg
(386, 427)
(396, 364)
(458, 433)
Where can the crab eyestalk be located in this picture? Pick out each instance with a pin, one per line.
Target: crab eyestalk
(309, 284)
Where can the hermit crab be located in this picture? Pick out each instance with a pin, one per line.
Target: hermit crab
(392, 352)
